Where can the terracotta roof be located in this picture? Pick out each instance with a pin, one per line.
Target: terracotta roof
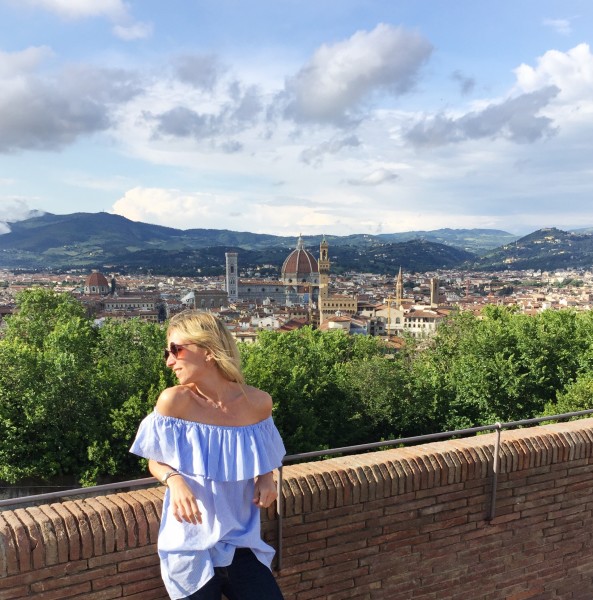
(300, 261)
(96, 279)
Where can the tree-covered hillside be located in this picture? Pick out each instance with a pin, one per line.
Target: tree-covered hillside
(545, 249)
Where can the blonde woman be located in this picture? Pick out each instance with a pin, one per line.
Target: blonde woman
(211, 440)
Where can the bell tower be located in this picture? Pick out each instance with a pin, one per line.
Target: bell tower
(399, 289)
(232, 276)
(323, 269)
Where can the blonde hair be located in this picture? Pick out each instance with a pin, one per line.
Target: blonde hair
(209, 332)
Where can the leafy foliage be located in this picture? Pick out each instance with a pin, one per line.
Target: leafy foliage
(64, 386)
(72, 395)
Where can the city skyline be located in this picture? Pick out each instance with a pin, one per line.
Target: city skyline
(341, 117)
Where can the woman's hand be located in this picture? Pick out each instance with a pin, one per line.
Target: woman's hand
(265, 490)
(184, 504)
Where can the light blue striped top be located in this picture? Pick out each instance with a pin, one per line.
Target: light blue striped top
(220, 464)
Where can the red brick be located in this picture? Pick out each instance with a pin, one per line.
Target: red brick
(72, 533)
(8, 552)
(106, 523)
(86, 536)
(15, 593)
(59, 531)
(21, 540)
(54, 583)
(128, 519)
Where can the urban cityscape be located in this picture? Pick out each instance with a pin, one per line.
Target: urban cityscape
(306, 293)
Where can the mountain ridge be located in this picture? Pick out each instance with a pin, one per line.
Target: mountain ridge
(107, 241)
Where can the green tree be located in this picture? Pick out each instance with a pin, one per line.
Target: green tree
(72, 394)
(300, 371)
(48, 409)
(499, 366)
(129, 374)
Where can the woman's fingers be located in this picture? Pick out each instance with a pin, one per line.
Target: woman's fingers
(264, 498)
(184, 504)
(188, 512)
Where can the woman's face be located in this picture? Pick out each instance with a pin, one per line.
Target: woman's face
(185, 358)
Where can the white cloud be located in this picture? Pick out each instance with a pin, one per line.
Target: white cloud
(545, 97)
(561, 26)
(377, 177)
(172, 208)
(51, 110)
(115, 11)
(134, 31)
(327, 210)
(13, 210)
(517, 119)
(18, 64)
(80, 9)
(571, 72)
(314, 156)
(340, 77)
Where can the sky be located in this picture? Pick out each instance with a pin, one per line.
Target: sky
(297, 117)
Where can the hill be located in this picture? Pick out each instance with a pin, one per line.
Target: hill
(544, 249)
(107, 241)
(476, 241)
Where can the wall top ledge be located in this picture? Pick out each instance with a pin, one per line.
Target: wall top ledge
(53, 535)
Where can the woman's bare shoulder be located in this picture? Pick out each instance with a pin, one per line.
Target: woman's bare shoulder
(174, 401)
(260, 401)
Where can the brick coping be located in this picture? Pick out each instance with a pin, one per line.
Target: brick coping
(87, 529)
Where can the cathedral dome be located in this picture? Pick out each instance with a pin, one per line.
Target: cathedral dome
(300, 266)
(96, 283)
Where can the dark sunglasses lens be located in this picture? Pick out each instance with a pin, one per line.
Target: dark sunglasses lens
(172, 349)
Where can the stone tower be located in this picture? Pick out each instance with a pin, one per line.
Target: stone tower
(434, 292)
(232, 276)
(323, 269)
(399, 289)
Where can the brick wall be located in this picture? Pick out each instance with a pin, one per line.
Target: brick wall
(408, 523)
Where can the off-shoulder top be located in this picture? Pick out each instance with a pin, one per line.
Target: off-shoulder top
(220, 464)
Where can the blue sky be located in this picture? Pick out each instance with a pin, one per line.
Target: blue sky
(288, 117)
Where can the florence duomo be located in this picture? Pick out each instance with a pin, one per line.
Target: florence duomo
(304, 280)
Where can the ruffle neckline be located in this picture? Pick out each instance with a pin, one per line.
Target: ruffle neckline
(218, 452)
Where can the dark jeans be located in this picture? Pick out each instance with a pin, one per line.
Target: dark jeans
(244, 579)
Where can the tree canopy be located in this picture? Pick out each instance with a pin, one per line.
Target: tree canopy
(72, 394)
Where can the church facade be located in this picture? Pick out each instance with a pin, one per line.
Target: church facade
(304, 280)
(298, 283)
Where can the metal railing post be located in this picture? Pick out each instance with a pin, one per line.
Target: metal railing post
(279, 508)
(495, 468)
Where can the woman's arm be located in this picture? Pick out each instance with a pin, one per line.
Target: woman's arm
(265, 490)
(184, 504)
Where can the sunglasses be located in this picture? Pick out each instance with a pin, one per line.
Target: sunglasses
(174, 349)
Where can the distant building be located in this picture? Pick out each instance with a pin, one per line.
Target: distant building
(298, 283)
(332, 304)
(96, 284)
(108, 300)
(423, 323)
(206, 299)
